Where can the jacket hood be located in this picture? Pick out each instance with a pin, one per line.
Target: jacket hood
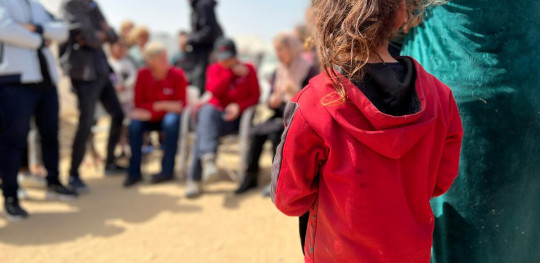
(391, 136)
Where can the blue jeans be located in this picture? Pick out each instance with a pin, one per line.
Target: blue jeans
(18, 103)
(210, 127)
(170, 125)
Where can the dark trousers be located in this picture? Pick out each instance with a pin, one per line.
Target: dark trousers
(197, 74)
(89, 93)
(17, 106)
(170, 125)
(257, 146)
(210, 127)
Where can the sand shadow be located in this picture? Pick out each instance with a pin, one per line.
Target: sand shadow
(103, 213)
(232, 201)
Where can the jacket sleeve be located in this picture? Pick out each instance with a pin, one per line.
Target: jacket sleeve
(218, 81)
(14, 34)
(449, 164)
(142, 101)
(53, 29)
(111, 34)
(207, 34)
(254, 91)
(295, 171)
(182, 88)
(76, 14)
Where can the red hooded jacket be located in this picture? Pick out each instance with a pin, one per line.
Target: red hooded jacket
(366, 177)
(227, 88)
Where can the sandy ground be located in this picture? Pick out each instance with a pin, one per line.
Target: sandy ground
(150, 223)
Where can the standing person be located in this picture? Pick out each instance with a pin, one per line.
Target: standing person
(183, 58)
(232, 87)
(28, 80)
(85, 62)
(368, 143)
(489, 54)
(200, 42)
(160, 98)
(293, 73)
(138, 38)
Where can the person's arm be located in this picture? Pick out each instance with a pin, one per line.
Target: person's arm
(296, 167)
(254, 91)
(52, 29)
(109, 32)
(207, 34)
(218, 81)
(76, 14)
(15, 34)
(449, 164)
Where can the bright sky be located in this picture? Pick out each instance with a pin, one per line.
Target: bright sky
(262, 18)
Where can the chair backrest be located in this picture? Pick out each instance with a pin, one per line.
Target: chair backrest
(193, 95)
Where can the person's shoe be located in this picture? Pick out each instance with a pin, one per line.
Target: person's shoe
(267, 191)
(59, 192)
(132, 180)
(22, 194)
(250, 182)
(114, 169)
(13, 211)
(210, 170)
(161, 178)
(193, 189)
(77, 185)
(32, 181)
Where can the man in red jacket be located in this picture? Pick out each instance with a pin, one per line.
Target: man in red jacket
(231, 88)
(160, 97)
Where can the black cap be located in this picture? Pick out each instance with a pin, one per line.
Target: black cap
(225, 49)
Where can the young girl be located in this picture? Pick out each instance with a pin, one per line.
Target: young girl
(368, 143)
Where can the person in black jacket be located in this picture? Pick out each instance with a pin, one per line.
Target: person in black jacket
(83, 58)
(200, 42)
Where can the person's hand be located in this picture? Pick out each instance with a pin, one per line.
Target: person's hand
(232, 112)
(275, 101)
(141, 115)
(102, 36)
(105, 27)
(120, 88)
(169, 106)
(29, 27)
(240, 70)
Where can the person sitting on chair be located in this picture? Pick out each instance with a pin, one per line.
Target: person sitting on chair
(232, 87)
(160, 98)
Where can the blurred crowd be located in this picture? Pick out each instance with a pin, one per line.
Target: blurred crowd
(204, 86)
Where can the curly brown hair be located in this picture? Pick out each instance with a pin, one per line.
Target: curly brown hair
(347, 32)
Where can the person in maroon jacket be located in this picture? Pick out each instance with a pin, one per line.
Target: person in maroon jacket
(160, 97)
(368, 143)
(232, 87)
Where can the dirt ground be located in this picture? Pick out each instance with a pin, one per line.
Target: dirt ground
(150, 223)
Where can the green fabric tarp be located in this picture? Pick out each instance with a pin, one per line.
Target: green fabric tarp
(487, 52)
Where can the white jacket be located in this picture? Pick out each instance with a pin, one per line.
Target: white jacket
(19, 60)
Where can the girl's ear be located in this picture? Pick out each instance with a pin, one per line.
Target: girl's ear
(400, 15)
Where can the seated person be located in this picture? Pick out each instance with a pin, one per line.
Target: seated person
(232, 87)
(160, 97)
(293, 73)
